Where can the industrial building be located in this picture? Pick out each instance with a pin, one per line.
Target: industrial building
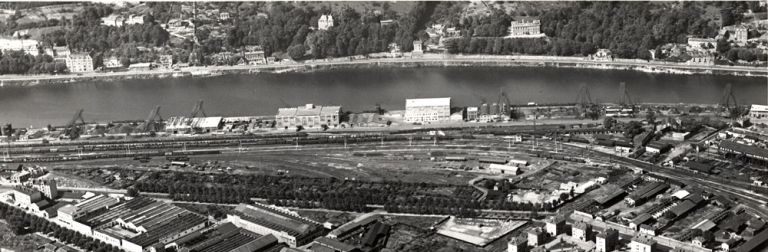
(309, 116)
(752, 152)
(139, 224)
(426, 110)
(758, 113)
(197, 124)
(287, 226)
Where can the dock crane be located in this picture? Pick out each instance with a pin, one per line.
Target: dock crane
(728, 102)
(584, 103)
(505, 105)
(73, 129)
(152, 123)
(197, 110)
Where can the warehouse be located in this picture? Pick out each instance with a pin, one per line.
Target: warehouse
(287, 226)
(427, 110)
(309, 116)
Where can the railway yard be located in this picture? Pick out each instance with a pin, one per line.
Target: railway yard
(416, 180)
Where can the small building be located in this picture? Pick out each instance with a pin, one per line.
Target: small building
(47, 187)
(165, 61)
(607, 240)
(642, 243)
(657, 147)
(555, 225)
(503, 169)
(758, 114)
(582, 231)
(112, 62)
(425, 110)
(602, 55)
(144, 66)
(472, 114)
(648, 229)
(740, 34)
(325, 22)
(79, 63)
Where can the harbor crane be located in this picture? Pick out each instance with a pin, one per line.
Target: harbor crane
(624, 98)
(583, 101)
(153, 121)
(73, 129)
(729, 103)
(198, 110)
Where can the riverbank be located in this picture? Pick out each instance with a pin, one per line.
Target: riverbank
(426, 60)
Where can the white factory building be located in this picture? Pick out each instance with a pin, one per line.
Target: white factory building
(427, 110)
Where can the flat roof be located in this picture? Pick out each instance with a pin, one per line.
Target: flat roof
(427, 102)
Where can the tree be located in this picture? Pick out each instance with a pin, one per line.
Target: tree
(296, 52)
(609, 122)
(651, 117)
(132, 192)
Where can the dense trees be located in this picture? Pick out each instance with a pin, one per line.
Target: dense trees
(328, 193)
(18, 62)
(22, 223)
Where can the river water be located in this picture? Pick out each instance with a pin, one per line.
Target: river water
(356, 90)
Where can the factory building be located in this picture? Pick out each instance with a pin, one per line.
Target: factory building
(198, 124)
(309, 116)
(287, 226)
(426, 110)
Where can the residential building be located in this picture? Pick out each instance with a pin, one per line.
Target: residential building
(112, 62)
(740, 34)
(309, 116)
(417, 47)
(325, 22)
(134, 19)
(642, 243)
(29, 46)
(47, 187)
(607, 240)
(115, 20)
(555, 225)
(582, 231)
(701, 59)
(525, 29)
(758, 114)
(224, 16)
(287, 226)
(79, 63)
(517, 244)
(472, 114)
(24, 196)
(254, 55)
(426, 110)
(535, 237)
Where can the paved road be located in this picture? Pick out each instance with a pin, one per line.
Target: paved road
(437, 61)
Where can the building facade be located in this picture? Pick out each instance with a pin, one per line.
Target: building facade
(427, 110)
(555, 225)
(79, 63)
(287, 226)
(525, 28)
(581, 231)
(758, 114)
(517, 245)
(642, 243)
(607, 240)
(309, 115)
(47, 187)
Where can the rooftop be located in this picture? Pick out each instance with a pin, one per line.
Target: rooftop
(277, 219)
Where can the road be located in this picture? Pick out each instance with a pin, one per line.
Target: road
(433, 59)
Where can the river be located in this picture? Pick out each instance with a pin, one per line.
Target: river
(356, 90)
